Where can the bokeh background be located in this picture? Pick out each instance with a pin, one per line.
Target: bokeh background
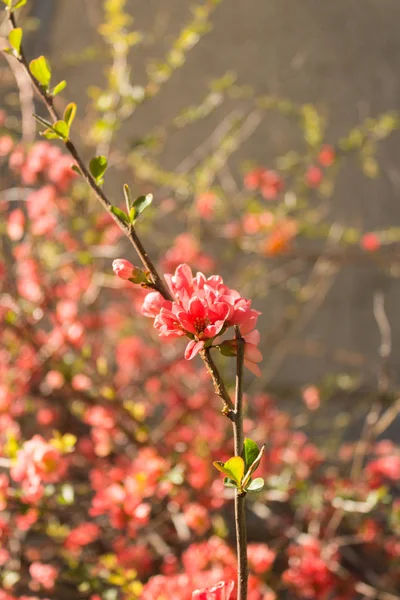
(192, 104)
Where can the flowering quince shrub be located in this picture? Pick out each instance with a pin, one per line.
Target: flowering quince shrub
(111, 445)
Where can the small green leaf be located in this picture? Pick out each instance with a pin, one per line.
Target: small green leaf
(253, 467)
(250, 452)
(233, 468)
(76, 169)
(59, 130)
(59, 88)
(256, 485)
(141, 203)
(128, 197)
(229, 483)
(19, 4)
(120, 214)
(98, 166)
(132, 215)
(15, 39)
(62, 129)
(69, 113)
(50, 134)
(227, 348)
(41, 70)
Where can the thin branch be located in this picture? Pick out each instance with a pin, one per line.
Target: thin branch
(219, 385)
(369, 431)
(240, 498)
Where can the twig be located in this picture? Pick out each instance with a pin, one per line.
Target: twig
(370, 427)
(240, 498)
(219, 385)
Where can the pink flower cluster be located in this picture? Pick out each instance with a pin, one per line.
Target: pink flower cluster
(43, 160)
(37, 462)
(308, 572)
(204, 308)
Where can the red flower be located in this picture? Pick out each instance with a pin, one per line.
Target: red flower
(313, 177)
(221, 591)
(370, 242)
(327, 156)
(203, 308)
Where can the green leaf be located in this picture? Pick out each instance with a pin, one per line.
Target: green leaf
(50, 134)
(59, 130)
(62, 129)
(229, 483)
(250, 452)
(120, 214)
(76, 169)
(41, 70)
(59, 88)
(227, 348)
(98, 166)
(19, 4)
(132, 215)
(69, 113)
(233, 468)
(253, 466)
(256, 485)
(128, 197)
(15, 39)
(141, 203)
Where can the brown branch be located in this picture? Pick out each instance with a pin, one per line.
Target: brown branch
(219, 385)
(240, 498)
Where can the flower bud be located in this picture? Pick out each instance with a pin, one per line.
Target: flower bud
(123, 268)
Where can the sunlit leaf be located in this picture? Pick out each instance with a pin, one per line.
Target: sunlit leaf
(250, 452)
(233, 468)
(15, 39)
(120, 214)
(141, 203)
(41, 70)
(59, 88)
(69, 113)
(256, 485)
(98, 166)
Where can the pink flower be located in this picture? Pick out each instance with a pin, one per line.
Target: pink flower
(260, 558)
(370, 242)
(327, 156)
(37, 462)
(205, 204)
(123, 268)
(203, 308)
(153, 303)
(313, 177)
(82, 535)
(15, 224)
(43, 574)
(221, 591)
(197, 517)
